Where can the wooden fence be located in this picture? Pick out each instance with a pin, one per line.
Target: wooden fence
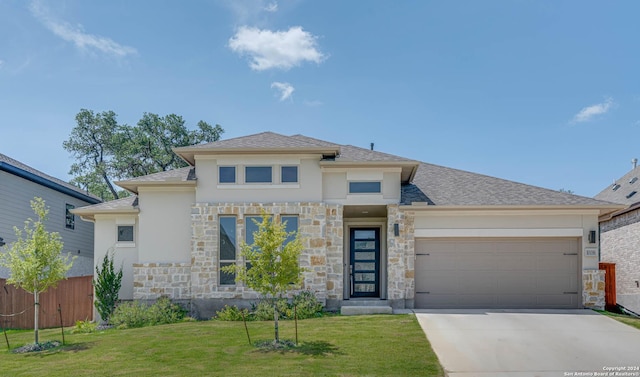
(609, 285)
(73, 295)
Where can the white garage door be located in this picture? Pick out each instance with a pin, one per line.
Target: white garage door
(497, 273)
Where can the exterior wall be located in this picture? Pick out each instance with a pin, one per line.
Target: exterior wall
(15, 196)
(620, 244)
(308, 188)
(165, 224)
(335, 184)
(593, 289)
(400, 258)
(514, 223)
(319, 225)
(125, 253)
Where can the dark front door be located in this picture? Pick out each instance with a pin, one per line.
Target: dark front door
(365, 262)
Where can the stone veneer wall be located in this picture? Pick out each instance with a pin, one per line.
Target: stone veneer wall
(320, 227)
(620, 244)
(153, 280)
(593, 289)
(400, 258)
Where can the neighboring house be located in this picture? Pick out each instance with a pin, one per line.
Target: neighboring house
(19, 184)
(620, 237)
(378, 229)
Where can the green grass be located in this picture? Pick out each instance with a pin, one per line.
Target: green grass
(382, 345)
(631, 321)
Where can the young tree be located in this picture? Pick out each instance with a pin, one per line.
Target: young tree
(274, 266)
(34, 260)
(107, 287)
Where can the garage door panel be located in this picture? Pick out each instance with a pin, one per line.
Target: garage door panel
(486, 273)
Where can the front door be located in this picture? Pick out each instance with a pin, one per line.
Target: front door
(365, 262)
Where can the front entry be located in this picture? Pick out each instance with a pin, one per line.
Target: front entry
(365, 262)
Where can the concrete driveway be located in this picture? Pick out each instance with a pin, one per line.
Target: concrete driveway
(521, 343)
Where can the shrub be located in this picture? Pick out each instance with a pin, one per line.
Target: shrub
(84, 327)
(232, 313)
(307, 305)
(107, 285)
(263, 309)
(129, 314)
(137, 314)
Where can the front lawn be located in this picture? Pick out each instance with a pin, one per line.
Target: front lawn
(382, 345)
(631, 321)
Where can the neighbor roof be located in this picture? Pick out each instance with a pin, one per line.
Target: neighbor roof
(625, 190)
(21, 170)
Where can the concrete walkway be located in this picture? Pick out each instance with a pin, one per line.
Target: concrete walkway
(545, 343)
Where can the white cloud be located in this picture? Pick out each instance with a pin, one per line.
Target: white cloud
(286, 89)
(276, 49)
(271, 7)
(589, 112)
(82, 40)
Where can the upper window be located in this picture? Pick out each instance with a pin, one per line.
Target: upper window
(227, 174)
(228, 243)
(70, 219)
(289, 174)
(365, 187)
(257, 174)
(125, 233)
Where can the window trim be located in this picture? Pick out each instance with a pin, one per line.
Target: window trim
(69, 218)
(235, 174)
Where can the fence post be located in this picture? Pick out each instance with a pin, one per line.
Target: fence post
(609, 285)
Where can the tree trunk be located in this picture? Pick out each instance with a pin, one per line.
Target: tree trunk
(36, 305)
(275, 321)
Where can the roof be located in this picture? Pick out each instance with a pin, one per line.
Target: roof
(442, 186)
(625, 190)
(259, 143)
(128, 205)
(181, 176)
(422, 183)
(21, 170)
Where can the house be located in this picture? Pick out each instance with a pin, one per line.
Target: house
(378, 229)
(620, 236)
(19, 184)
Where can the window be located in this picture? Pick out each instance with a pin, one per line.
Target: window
(632, 193)
(365, 187)
(257, 174)
(291, 225)
(227, 239)
(125, 233)
(70, 219)
(289, 174)
(227, 174)
(251, 227)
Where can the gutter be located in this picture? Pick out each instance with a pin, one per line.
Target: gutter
(47, 183)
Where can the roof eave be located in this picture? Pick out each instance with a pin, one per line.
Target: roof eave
(133, 185)
(188, 153)
(604, 209)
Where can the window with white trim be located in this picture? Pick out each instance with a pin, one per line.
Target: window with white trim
(365, 187)
(258, 174)
(125, 233)
(226, 174)
(289, 174)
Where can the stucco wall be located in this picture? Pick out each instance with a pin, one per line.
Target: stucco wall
(165, 224)
(335, 184)
(620, 244)
(308, 188)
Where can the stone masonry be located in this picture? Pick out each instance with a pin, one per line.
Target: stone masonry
(153, 280)
(593, 289)
(400, 258)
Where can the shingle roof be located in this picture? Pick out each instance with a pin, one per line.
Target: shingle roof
(357, 154)
(439, 185)
(122, 204)
(621, 191)
(264, 140)
(56, 184)
(177, 176)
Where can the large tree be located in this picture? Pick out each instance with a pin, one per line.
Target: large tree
(34, 259)
(106, 151)
(273, 260)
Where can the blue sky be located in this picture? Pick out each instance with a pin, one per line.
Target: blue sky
(541, 92)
